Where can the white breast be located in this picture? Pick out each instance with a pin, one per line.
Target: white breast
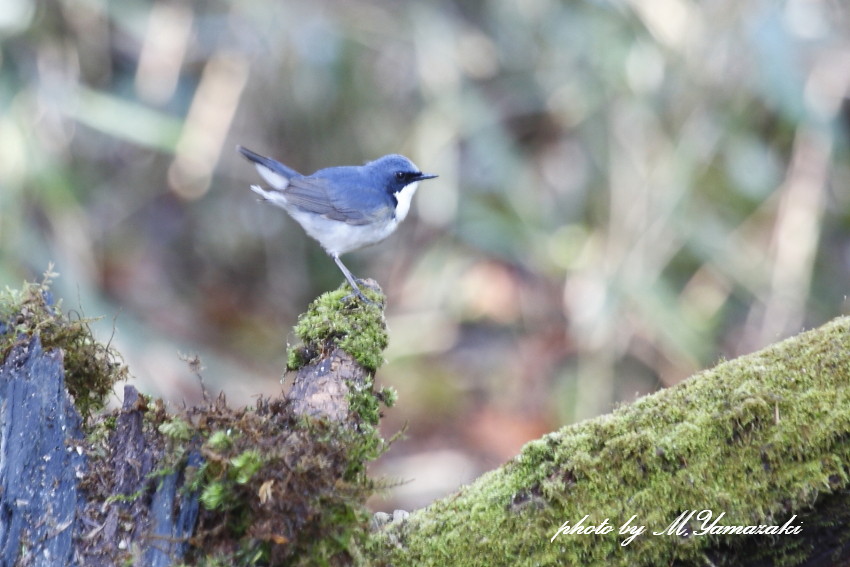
(404, 197)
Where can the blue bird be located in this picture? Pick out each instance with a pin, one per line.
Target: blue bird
(344, 208)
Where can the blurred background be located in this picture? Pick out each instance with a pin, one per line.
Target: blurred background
(629, 191)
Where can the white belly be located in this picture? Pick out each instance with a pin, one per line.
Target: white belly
(337, 237)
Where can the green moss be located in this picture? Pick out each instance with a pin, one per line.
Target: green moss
(334, 321)
(759, 438)
(279, 488)
(245, 465)
(125, 497)
(388, 396)
(213, 495)
(220, 440)
(286, 488)
(176, 429)
(91, 368)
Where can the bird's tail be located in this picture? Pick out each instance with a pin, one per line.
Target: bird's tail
(264, 195)
(274, 172)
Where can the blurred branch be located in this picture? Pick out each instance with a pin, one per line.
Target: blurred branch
(796, 234)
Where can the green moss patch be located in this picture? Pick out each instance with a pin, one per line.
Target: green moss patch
(91, 368)
(335, 319)
(277, 488)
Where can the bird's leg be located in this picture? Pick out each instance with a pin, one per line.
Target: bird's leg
(352, 281)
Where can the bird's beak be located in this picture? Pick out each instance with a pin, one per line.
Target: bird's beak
(426, 176)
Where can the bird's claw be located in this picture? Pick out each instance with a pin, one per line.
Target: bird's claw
(361, 296)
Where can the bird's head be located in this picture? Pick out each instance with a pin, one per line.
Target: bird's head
(396, 172)
(400, 177)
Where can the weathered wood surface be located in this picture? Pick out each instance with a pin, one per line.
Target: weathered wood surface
(40, 466)
(322, 387)
(132, 508)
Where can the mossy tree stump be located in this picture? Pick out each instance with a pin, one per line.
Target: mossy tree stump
(280, 483)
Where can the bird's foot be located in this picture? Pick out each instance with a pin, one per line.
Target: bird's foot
(356, 292)
(370, 284)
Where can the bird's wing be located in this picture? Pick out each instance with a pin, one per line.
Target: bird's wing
(316, 195)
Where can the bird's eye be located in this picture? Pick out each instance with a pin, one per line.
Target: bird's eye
(400, 175)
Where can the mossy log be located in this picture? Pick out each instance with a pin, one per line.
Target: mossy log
(763, 440)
